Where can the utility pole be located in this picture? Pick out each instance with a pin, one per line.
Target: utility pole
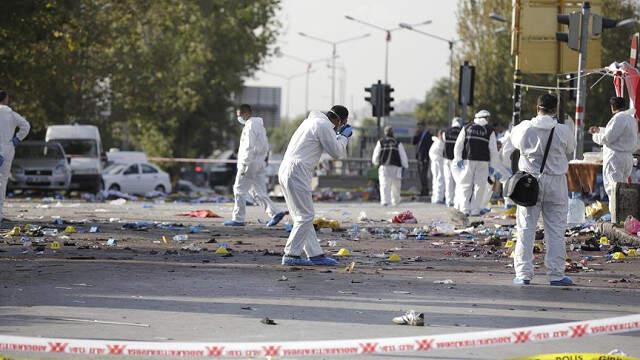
(517, 96)
(581, 101)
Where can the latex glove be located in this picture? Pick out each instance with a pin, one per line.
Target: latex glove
(498, 176)
(15, 141)
(460, 164)
(346, 131)
(1, 160)
(491, 170)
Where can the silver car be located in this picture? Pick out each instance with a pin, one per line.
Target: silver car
(40, 165)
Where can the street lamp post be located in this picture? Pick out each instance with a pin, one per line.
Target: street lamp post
(388, 32)
(334, 55)
(309, 64)
(451, 44)
(288, 79)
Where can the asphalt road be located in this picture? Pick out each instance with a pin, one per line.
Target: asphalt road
(181, 295)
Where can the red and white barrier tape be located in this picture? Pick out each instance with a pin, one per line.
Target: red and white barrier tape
(522, 335)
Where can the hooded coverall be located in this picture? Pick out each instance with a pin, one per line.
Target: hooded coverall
(9, 122)
(436, 155)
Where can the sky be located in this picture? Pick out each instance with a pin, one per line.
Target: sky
(415, 61)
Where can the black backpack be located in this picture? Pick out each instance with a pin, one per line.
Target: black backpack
(522, 187)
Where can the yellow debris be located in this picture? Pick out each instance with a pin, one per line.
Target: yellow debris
(394, 258)
(350, 267)
(618, 255)
(222, 251)
(632, 252)
(164, 239)
(14, 232)
(604, 240)
(510, 244)
(321, 222)
(70, 230)
(343, 252)
(55, 245)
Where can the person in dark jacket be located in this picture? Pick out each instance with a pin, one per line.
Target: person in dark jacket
(422, 141)
(389, 154)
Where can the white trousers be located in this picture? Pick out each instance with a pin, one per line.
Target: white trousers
(473, 186)
(390, 177)
(7, 151)
(253, 183)
(553, 203)
(449, 182)
(295, 182)
(617, 168)
(437, 180)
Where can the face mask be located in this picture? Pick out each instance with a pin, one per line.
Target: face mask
(241, 120)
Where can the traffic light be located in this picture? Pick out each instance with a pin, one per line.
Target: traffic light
(572, 38)
(600, 23)
(388, 99)
(375, 94)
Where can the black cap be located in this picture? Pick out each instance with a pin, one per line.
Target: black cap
(3, 95)
(341, 111)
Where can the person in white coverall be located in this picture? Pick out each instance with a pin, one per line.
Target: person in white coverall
(450, 136)
(506, 152)
(251, 179)
(9, 139)
(530, 137)
(389, 154)
(475, 151)
(619, 141)
(318, 133)
(436, 156)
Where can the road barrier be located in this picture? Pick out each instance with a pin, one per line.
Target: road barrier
(524, 335)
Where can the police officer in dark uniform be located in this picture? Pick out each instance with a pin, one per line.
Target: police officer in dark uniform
(450, 136)
(422, 141)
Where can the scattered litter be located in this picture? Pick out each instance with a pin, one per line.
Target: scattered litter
(632, 225)
(404, 218)
(222, 251)
(394, 258)
(446, 282)
(288, 227)
(200, 214)
(283, 278)
(411, 318)
(268, 321)
(118, 202)
(55, 245)
(399, 292)
(350, 267)
(363, 217)
(324, 223)
(94, 229)
(112, 242)
(70, 230)
(181, 237)
(191, 248)
(343, 252)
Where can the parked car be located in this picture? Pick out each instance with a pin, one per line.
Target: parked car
(83, 145)
(40, 165)
(137, 178)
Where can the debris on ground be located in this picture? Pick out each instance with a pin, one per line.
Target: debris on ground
(632, 226)
(324, 223)
(405, 217)
(411, 318)
(268, 321)
(200, 214)
(446, 282)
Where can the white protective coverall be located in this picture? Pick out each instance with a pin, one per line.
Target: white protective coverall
(9, 122)
(390, 176)
(314, 136)
(472, 186)
(619, 141)
(251, 178)
(449, 179)
(436, 155)
(530, 137)
(505, 158)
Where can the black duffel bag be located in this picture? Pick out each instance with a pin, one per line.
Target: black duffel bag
(523, 188)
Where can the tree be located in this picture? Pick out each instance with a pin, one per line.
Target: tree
(434, 110)
(156, 75)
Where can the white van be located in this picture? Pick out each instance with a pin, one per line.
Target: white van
(83, 146)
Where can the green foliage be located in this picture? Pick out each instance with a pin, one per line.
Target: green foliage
(165, 69)
(434, 110)
(490, 52)
(279, 137)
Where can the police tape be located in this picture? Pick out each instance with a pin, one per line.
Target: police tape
(524, 335)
